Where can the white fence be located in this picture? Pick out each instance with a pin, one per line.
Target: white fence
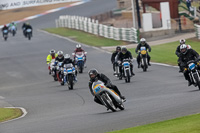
(92, 26)
(197, 28)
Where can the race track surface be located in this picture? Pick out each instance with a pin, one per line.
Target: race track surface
(159, 94)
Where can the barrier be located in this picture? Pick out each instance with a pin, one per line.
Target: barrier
(12, 4)
(197, 29)
(92, 26)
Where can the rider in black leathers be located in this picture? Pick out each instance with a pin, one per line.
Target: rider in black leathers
(94, 75)
(114, 56)
(5, 27)
(185, 56)
(178, 52)
(143, 44)
(125, 54)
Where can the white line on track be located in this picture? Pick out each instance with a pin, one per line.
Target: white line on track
(102, 50)
(23, 115)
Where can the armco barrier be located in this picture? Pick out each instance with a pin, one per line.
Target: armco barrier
(92, 26)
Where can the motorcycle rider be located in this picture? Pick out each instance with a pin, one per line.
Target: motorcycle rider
(51, 56)
(67, 60)
(94, 76)
(178, 52)
(59, 58)
(4, 28)
(79, 49)
(125, 54)
(114, 57)
(28, 26)
(23, 29)
(185, 56)
(143, 44)
(12, 26)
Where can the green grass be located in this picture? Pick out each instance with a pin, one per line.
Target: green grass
(165, 53)
(187, 124)
(85, 38)
(9, 113)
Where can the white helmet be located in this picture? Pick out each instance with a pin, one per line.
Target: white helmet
(52, 51)
(142, 41)
(60, 54)
(67, 56)
(183, 48)
(188, 46)
(182, 41)
(78, 46)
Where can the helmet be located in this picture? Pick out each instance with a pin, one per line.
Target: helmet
(52, 51)
(78, 46)
(67, 56)
(118, 48)
(27, 23)
(5, 25)
(60, 54)
(124, 50)
(182, 41)
(188, 46)
(143, 41)
(93, 74)
(183, 48)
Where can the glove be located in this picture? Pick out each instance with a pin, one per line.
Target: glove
(119, 62)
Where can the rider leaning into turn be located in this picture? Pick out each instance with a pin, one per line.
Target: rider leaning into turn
(143, 44)
(94, 76)
(185, 56)
(125, 54)
(51, 56)
(114, 56)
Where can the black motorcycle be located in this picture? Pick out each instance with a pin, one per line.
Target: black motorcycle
(194, 73)
(5, 34)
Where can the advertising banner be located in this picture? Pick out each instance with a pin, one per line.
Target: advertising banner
(12, 4)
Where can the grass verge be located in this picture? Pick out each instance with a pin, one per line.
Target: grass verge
(186, 124)
(9, 113)
(85, 38)
(165, 53)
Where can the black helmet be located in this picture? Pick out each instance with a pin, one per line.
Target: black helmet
(93, 74)
(124, 50)
(118, 48)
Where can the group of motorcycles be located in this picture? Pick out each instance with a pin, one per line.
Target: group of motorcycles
(67, 73)
(12, 30)
(126, 69)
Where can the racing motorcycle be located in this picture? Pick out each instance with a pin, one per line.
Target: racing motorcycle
(5, 34)
(13, 30)
(116, 65)
(58, 71)
(68, 76)
(194, 73)
(143, 58)
(29, 34)
(126, 70)
(108, 97)
(79, 60)
(53, 69)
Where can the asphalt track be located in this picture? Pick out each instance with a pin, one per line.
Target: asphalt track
(159, 94)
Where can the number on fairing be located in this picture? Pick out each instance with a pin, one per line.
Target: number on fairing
(191, 66)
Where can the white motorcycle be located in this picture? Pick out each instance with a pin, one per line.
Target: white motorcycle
(68, 76)
(108, 97)
(53, 69)
(80, 60)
